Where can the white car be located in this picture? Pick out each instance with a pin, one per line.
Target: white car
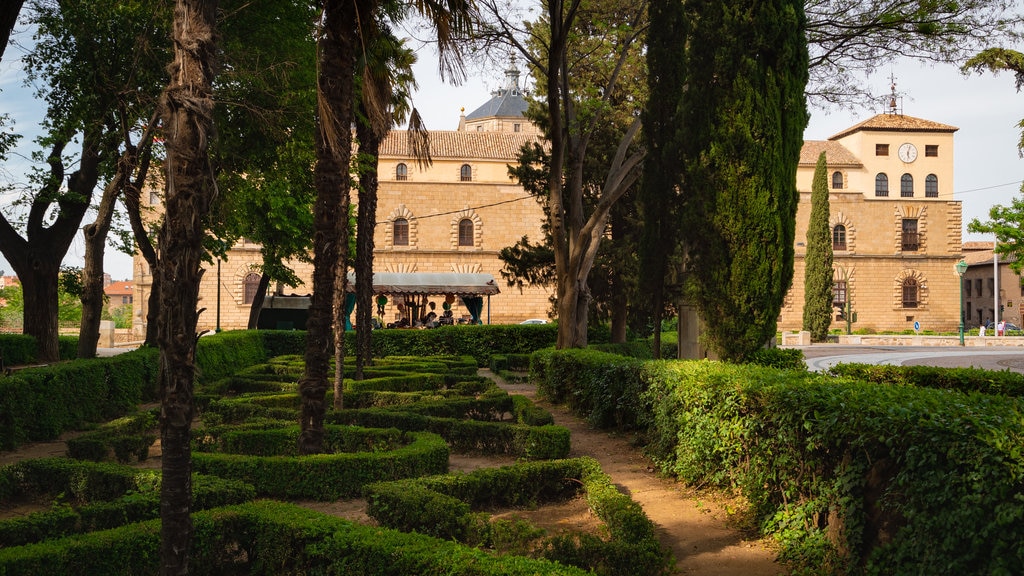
(534, 321)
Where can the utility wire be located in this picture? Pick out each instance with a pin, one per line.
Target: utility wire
(1018, 182)
(482, 206)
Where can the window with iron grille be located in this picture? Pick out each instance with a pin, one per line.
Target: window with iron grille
(906, 186)
(931, 150)
(400, 232)
(881, 149)
(839, 237)
(401, 171)
(910, 293)
(911, 240)
(881, 184)
(837, 180)
(839, 294)
(250, 284)
(931, 186)
(466, 232)
(466, 173)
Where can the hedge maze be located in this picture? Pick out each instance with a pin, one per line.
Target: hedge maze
(98, 510)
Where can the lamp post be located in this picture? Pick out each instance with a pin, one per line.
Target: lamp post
(960, 268)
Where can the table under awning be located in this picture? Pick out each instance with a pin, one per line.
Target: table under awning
(459, 284)
(414, 287)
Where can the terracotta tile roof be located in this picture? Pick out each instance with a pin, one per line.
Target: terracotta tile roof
(464, 145)
(835, 153)
(976, 245)
(123, 288)
(984, 257)
(896, 123)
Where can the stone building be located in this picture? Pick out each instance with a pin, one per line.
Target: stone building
(896, 230)
(454, 215)
(986, 276)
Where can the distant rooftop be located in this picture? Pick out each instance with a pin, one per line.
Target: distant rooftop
(895, 122)
(509, 101)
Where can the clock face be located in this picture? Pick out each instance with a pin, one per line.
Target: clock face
(908, 152)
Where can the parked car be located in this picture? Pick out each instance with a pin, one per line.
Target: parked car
(535, 321)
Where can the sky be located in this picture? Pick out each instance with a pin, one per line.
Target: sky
(986, 108)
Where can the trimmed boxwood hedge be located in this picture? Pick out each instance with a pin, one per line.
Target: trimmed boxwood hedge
(1004, 382)
(267, 538)
(442, 506)
(327, 476)
(141, 503)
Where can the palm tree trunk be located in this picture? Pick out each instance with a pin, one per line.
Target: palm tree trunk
(187, 113)
(369, 143)
(333, 149)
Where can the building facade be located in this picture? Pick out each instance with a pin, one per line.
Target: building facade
(992, 291)
(896, 229)
(453, 215)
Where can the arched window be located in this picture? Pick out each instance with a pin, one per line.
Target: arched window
(839, 294)
(881, 184)
(466, 173)
(837, 180)
(910, 293)
(839, 237)
(400, 232)
(906, 186)
(931, 186)
(401, 171)
(250, 284)
(466, 232)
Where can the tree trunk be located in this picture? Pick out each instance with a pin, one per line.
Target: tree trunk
(39, 289)
(145, 246)
(369, 143)
(187, 113)
(95, 244)
(8, 19)
(333, 149)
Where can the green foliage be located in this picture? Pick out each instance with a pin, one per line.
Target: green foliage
(604, 388)
(831, 465)
(443, 506)
(1003, 383)
(818, 259)
(139, 501)
(327, 476)
(268, 538)
(781, 358)
(742, 134)
(129, 437)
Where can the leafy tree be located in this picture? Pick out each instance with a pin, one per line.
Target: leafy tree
(570, 114)
(1006, 222)
(850, 37)
(818, 260)
(743, 133)
(186, 112)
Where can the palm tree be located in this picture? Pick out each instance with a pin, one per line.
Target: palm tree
(343, 28)
(186, 108)
(386, 84)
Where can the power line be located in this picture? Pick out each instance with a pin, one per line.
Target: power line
(450, 212)
(1017, 183)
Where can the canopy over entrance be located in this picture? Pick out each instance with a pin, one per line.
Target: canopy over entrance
(430, 283)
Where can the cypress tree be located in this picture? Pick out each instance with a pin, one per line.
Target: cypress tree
(658, 200)
(743, 116)
(818, 261)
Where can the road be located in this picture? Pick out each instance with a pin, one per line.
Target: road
(821, 356)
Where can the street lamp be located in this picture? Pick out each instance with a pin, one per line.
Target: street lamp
(960, 268)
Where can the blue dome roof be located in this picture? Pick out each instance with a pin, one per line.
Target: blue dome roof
(508, 101)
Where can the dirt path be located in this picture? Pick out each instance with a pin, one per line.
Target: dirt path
(696, 530)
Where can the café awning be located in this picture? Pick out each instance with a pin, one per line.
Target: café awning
(430, 283)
